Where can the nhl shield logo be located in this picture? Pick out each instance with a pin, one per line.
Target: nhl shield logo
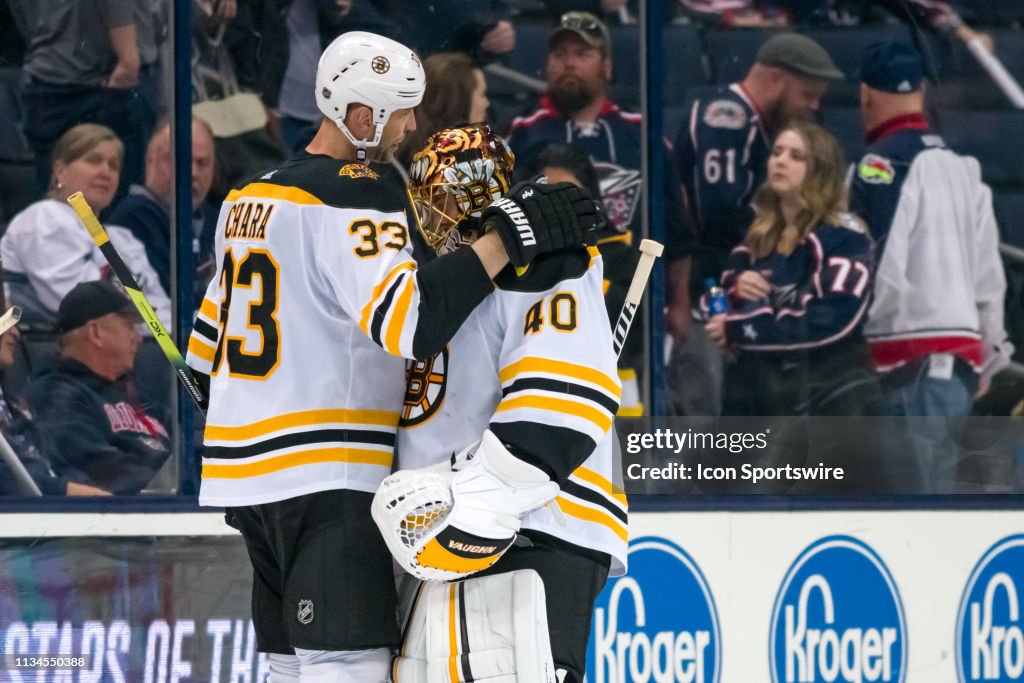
(305, 613)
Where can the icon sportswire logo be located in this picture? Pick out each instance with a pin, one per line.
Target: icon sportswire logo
(659, 624)
(838, 618)
(990, 628)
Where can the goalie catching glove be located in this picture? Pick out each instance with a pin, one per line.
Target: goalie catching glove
(535, 218)
(442, 525)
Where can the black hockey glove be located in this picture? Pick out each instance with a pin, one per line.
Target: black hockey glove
(535, 218)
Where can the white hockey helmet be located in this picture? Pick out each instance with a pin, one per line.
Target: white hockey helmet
(365, 68)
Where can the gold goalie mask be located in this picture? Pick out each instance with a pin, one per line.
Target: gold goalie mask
(456, 175)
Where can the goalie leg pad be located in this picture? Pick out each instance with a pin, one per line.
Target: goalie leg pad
(492, 630)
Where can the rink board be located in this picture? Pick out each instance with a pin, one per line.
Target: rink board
(724, 596)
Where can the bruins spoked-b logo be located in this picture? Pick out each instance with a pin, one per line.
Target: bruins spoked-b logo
(305, 613)
(380, 65)
(424, 388)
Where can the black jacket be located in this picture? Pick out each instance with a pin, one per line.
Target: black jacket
(94, 432)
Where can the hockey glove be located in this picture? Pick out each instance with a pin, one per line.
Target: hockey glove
(535, 218)
(444, 525)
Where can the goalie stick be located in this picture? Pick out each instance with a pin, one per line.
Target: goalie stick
(649, 251)
(149, 316)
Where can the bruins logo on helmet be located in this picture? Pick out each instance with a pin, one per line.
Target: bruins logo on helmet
(456, 175)
(381, 64)
(425, 382)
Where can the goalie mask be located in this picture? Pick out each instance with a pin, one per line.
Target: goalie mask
(456, 175)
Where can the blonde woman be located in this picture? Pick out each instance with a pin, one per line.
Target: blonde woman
(798, 289)
(46, 250)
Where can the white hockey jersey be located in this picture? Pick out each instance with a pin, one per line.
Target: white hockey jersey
(534, 363)
(301, 331)
(46, 251)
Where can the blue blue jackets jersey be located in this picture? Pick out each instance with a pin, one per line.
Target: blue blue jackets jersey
(819, 294)
(721, 152)
(613, 143)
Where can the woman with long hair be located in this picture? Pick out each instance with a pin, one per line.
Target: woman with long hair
(46, 250)
(456, 94)
(798, 290)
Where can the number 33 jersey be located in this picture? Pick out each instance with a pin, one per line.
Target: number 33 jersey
(301, 332)
(533, 363)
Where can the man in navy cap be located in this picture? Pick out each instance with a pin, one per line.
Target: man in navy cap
(935, 325)
(96, 433)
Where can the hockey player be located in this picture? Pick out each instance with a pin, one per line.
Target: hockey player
(527, 389)
(302, 331)
(799, 286)
(722, 151)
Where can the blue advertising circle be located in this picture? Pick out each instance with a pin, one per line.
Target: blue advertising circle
(844, 588)
(989, 628)
(663, 624)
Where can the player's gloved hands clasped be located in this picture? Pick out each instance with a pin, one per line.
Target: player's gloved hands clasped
(442, 526)
(536, 217)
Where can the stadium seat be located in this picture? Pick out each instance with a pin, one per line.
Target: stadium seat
(531, 48)
(845, 123)
(684, 62)
(732, 51)
(1009, 208)
(991, 136)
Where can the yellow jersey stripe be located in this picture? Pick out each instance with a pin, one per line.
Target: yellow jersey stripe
(626, 238)
(595, 479)
(209, 309)
(356, 456)
(532, 364)
(306, 418)
(270, 191)
(453, 646)
(558, 405)
(631, 411)
(591, 515)
(201, 350)
(394, 335)
(364, 321)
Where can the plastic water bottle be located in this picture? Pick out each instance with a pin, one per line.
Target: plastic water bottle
(717, 301)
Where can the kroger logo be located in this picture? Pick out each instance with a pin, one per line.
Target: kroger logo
(838, 617)
(989, 636)
(658, 624)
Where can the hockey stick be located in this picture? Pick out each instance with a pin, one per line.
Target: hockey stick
(149, 316)
(649, 251)
(997, 71)
(10, 318)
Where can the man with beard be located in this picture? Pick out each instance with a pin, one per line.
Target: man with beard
(722, 151)
(576, 110)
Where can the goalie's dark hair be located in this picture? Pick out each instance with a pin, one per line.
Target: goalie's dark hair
(572, 159)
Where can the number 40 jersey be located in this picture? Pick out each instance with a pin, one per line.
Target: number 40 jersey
(533, 363)
(303, 329)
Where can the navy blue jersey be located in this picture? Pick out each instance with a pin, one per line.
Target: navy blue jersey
(613, 143)
(722, 151)
(819, 294)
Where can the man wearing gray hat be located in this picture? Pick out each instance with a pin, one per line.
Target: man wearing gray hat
(722, 151)
(935, 326)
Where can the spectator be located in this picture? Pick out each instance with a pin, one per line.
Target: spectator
(46, 250)
(456, 94)
(480, 29)
(936, 322)
(939, 17)
(576, 110)
(25, 440)
(722, 151)
(146, 209)
(560, 162)
(293, 33)
(97, 433)
(83, 65)
(799, 288)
